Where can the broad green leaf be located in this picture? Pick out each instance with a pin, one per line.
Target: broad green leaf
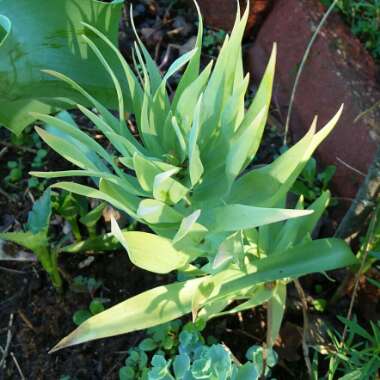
(67, 150)
(129, 201)
(39, 216)
(188, 100)
(127, 181)
(272, 182)
(313, 257)
(150, 252)
(90, 192)
(261, 101)
(156, 212)
(77, 134)
(167, 189)
(201, 295)
(28, 240)
(147, 169)
(240, 217)
(151, 308)
(221, 83)
(231, 249)
(190, 230)
(294, 231)
(165, 303)
(240, 146)
(261, 295)
(30, 45)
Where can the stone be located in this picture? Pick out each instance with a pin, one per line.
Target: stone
(222, 15)
(338, 70)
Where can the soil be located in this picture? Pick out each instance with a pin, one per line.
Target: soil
(40, 316)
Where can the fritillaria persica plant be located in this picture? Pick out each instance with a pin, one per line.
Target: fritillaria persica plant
(181, 166)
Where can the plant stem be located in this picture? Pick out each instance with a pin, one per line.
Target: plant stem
(75, 229)
(49, 262)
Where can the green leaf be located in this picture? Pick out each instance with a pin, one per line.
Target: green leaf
(316, 256)
(147, 169)
(126, 181)
(96, 306)
(93, 216)
(67, 150)
(150, 252)
(272, 182)
(192, 71)
(75, 133)
(156, 212)
(295, 230)
(189, 231)
(188, 100)
(81, 316)
(167, 189)
(261, 102)
(39, 216)
(148, 309)
(148, 344)
(240, 217)
(35, 242)
(133, 84)
(240, 146)
(90, 192)
(195, 164)
(165, 303)
(102, 243)
(275, 312)
(50, 37)
(260, 295)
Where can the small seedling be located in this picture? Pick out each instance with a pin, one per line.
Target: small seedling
(311, 183)
(15, 171)
(96, 306)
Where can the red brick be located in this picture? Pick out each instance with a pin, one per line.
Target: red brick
(220, 14)
(337, 71)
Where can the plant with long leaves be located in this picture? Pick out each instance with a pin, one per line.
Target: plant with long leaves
(183, 170)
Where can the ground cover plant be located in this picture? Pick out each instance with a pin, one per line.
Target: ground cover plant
(227, 241)
(181, 352)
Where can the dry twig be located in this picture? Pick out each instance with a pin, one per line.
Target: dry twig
(22, 377)
(305, 333)
(8, 342)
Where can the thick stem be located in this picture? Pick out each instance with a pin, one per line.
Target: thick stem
(49, 262)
